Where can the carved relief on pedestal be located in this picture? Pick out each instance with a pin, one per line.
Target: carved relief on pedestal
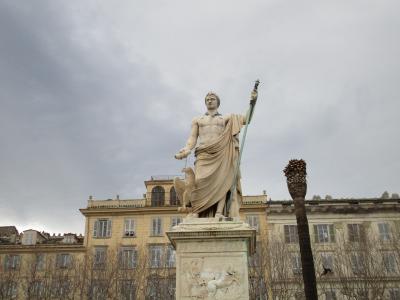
(213, 278)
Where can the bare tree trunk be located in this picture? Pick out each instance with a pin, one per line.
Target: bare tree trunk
(296, 173)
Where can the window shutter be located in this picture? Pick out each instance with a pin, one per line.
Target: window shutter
(96, 228)
(108, 228)
(287, 234)
(332, 233)
(134, 258)
(153, 227)
(68, 260)
(120, 258)
(7, 262)
(18, 260)
(159, 226)
(58, 260)
(362, 233)
(316, 234)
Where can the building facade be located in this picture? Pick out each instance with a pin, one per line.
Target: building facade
(125, 253)
(356, 248)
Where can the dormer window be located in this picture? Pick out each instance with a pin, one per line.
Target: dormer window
(29, 237)
(69, 239)
(157, 196)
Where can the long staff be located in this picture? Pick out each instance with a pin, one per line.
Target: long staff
(248, 119)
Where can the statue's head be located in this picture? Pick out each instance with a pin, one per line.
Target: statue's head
(212, 100)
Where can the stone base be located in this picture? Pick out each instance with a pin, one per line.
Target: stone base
(212, 258)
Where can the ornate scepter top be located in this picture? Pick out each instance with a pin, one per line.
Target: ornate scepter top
(256, 84)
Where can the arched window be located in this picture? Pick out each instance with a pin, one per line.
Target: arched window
(173, 199)
(157, 196)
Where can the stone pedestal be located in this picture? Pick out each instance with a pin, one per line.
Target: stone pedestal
(212, 258)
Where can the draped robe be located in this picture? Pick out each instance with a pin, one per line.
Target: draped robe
(214, 170)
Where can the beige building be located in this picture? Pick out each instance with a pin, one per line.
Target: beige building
(124, 254)
(356, 248)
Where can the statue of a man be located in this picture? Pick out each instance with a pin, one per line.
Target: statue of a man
(216, 142)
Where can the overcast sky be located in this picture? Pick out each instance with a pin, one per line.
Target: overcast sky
(97, 96)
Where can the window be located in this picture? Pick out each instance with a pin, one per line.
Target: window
(128, 257)
(63, 261)
(157, 196)
(324, 233)
(12, 262)
(69, 239)
(362, 294)
(291, 236)
(153, 288)
(170, 263)
(60, 288)
(357, 263)
(355, 232)
(327, 262)
(173, 199)
(175, 221)
(296, 264)
(299, 296)
(389, 261)
(9, 289)
(156, 227)
(129, 228)
(102, 228)
(155, 256)
(330, 295)
(384, 231)
(100, 256)
(40, 261)
(98, 290)
(127, 290)
(37, 289)
(253, 222)
(255, 259)
(394, 294)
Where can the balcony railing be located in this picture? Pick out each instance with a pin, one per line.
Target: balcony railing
(134, 203)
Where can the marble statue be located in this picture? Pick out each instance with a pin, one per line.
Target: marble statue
(215, 139)
(184, 188)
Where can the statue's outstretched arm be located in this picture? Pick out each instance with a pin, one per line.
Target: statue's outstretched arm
(191, 142)
(253, 100)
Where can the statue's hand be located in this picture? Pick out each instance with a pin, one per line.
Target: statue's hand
(254, 96)
(183, 153)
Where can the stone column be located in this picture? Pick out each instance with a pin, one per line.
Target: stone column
(212, 258)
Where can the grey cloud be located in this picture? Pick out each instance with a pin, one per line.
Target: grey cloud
(95, 98)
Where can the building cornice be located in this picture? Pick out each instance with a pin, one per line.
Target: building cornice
(4, 249)
(157, 210)
(340, 206)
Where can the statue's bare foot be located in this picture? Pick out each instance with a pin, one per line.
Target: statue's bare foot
(219, 216)
(192, 215)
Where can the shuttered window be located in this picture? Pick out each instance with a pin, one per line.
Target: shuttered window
(63, 261)
(384, 232)
(253, 222)
(102, 228)
(170, 263)
(129, 228)
(324, 233)
(156, 227)
(291, 235)
(355, 232)
(128, 257)
(175, 221)
(156, 256)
